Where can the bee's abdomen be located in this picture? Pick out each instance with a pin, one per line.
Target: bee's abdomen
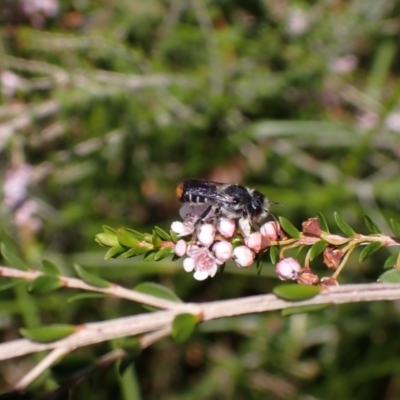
(195, 191)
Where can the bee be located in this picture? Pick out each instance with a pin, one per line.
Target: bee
(225, 200)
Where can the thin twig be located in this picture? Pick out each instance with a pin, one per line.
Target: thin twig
(161, 320)
(113, 289)
(47, 362)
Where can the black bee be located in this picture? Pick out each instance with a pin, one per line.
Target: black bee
(226, 200)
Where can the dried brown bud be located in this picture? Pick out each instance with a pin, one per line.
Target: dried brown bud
(332, 257)
(307, 277)
(311, 227)
(328, 281)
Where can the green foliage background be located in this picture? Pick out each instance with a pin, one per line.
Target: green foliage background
(124, 98)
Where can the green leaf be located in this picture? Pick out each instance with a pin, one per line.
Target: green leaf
(260, 261)
(107, 239)
(303, 309)
(12, 259)
(162, 234)
(50, 268)
(391, 276)
(129, 359)
(155, 239)
(174, 236)
(183, 327)
(44, 284)
(395, 227)
(222, 268)
(86, 296)
(11, 284)
(150, 256)
(154, 289)
(393, 260)
(129, 237)
(136, 251)
(114, 251)
(343, 226)
(164, 252)
(317, 248)
(289, 228)
(91, 279)
(371, 225)
(295, 292)
(108, 229)
(50, 333)
(274, 254)
(368, 250)
(322, 223)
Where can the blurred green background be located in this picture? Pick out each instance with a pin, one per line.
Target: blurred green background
(106, 104)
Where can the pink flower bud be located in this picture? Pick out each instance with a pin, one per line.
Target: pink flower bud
(227, 227)
(243, 256)
(287, 268)
(256, 242)
(180, 248)
(223, 251)
(271, 230)
(206, 234)
(189, 264)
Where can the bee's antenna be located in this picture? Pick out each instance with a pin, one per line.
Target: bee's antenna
(279, 204)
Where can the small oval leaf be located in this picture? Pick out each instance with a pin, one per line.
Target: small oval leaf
(371, 225)
(392, 261)
(294, 292)
(174, 236)
(322, 223)
(107, 239)
(155, 239)
(162, 234)
(317, 248)
(369, 250)
(44, 284)
(50, 268)
(50, 333)
(135, 251)
(150, 256)
(303, 309)
(343, 226)
(289, 228)
(129, 237)
(114, 252)
(163, 253)
(260, 262)
(273, 254)
(108, 229)
(154, 289)
(395, 227)
(86, 296)
(12, 259)
(183, 327)
(391, 276)
(89, 278)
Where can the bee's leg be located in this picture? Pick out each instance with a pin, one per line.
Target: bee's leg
(245, 226)
(206, 212)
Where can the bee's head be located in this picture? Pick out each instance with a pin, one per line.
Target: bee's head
(259, 206)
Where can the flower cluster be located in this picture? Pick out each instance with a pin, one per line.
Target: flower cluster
(213, 243)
